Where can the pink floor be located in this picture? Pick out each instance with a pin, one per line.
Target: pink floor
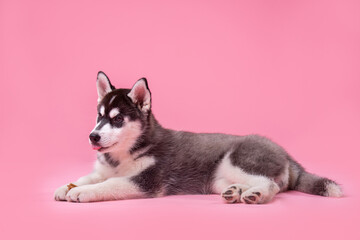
(29, 212)
(285, 69)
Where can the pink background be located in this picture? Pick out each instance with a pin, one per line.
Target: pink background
(285, 69)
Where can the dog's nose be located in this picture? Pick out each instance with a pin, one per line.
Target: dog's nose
(94, 137)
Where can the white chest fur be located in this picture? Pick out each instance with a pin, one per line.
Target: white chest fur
(128, 166)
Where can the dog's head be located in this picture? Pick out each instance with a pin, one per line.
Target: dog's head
(122, 115)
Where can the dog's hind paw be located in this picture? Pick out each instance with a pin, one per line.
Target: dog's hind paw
(233, 193)
(251, 197)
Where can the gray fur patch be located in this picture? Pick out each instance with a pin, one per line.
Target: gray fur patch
(259, 156)
(109, 160)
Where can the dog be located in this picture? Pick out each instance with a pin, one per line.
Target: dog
(138, 158)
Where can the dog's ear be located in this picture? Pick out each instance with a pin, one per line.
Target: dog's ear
(140, 95)
(103, 85)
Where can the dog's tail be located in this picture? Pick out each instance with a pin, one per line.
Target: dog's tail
(302, 181)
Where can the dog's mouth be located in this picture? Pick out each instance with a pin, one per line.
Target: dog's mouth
(100, 148)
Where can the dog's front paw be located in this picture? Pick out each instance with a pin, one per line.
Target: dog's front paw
(60, 193)
(82, 194)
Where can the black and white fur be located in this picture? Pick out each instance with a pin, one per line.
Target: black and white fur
(138, 158)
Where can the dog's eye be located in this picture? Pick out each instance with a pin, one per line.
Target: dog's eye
(118, 118)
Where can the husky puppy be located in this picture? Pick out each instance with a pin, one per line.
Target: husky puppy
(138, 158)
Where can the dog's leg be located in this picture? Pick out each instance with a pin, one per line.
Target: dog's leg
(111, 189)
(92, 178)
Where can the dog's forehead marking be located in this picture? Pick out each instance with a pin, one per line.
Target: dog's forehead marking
(113, 112)
(102, 110)
(112, 99)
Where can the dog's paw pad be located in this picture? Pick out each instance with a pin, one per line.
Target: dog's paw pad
(257, 193)
(229, 199)
(232, 194)
(252, 198)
